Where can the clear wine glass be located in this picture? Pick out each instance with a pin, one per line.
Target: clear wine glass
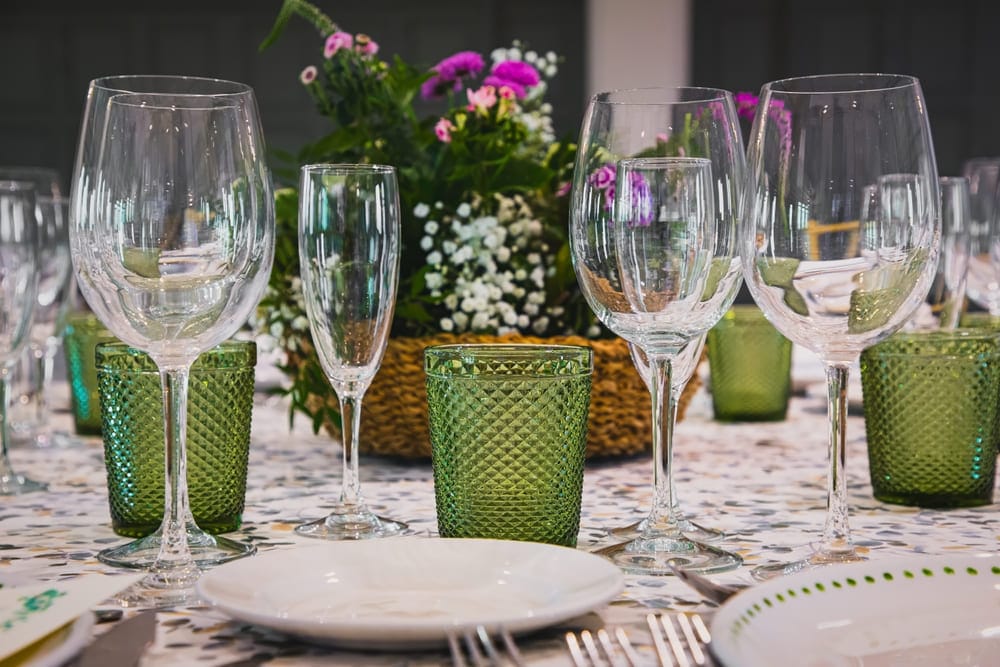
(983, 285)
(669, 122)
(828, 277)
(54, 284)
(172, 246)
(18, 284)
(349, 243)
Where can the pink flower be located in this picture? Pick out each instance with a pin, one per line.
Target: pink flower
(443, 130)
(603, 177)
(336, 42)
(482, 99)
(308, 75)
(506, 93)
(365, 45)
(746, 105)
(564, 189)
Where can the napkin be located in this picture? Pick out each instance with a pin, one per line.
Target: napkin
(32, 611)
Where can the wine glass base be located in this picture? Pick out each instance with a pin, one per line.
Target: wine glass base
(691, 530)
(14, 485)
(655, 556)
(142, 554)
(351, 523)
(768, 571)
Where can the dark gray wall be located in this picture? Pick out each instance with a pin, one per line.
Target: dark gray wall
(952, 46)
(48, 56)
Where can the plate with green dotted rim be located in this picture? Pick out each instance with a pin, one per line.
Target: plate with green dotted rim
(914, 611)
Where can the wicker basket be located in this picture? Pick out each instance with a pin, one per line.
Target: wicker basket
(394, 409)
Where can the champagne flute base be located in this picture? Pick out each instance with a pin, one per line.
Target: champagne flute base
(206, 550)
(691, 530)
(351, 522)
(768, 571)
(656, 555)
(14, 485)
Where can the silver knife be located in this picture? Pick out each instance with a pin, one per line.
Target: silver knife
(122, 645)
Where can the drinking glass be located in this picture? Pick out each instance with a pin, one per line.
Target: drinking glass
(983, 286)
(829, 277)
(54, 283)
(18, 285)
(667, 122)
(349, 261)
(172, 240)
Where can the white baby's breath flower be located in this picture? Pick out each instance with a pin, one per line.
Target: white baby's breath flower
(277, 329)
(480, 320)
(421, 210)
(530, 57)
(461, 320)
(537, 298)
(434, 258)
(451, 301)
(510, 318)
(551, 56)
(514, 53)
(498, 55)
(431, 227)
(300, 323)
(469, 305)
(434, 280)
(438, 205)
(551, 71)
(503, 253)
(463, 210)
(531, 308)
(593, 331)
(426, 243)
(541, 324)
(523, 321)
(534, 258)
(449, 247)
(446, 324)
(520, 275)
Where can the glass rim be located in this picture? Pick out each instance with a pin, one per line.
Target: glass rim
(113, 349)
(169, 101)
(465, 352)
(631, 96)
(17, 185)
(663, 161)
(900, 82)
(108, 83)
(346, 168)
(889, 346)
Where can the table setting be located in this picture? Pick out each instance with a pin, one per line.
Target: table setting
(500, 497)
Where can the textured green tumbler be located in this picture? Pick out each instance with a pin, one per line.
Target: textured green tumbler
(82, 334)
(932, 416)
(508, 428)
(749, 363)
(220, 406)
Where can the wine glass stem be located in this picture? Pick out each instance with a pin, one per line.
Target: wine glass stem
(5, 469)
(837, 532)
(174, 551)
(42, 378)
(662, 518)
(350, 418)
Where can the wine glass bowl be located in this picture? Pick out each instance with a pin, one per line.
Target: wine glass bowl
(698, 123)
(349, 244)
(832, 272)
(172, 236)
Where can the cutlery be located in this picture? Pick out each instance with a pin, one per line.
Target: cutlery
(612, 649)
(686, 645)
(710, 590)
(482, 650)
(122, 645)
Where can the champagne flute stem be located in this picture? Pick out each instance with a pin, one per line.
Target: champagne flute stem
(837, 532)
(350, 418)
(174, 563)
(42, 378)
(662, 518)
(5, 470)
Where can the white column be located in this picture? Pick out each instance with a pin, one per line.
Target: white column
(637, 43)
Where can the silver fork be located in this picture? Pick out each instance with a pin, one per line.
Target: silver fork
(690, 640)
(602, 649)
(475, 647)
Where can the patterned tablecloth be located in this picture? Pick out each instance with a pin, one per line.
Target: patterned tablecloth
(765, 484)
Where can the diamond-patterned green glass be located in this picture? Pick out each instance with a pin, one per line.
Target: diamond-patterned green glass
(932, 416)
(508, 428)
(750, 365)
(82, 334)
(220, 407)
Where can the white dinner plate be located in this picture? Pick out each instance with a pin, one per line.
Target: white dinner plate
(407, 592)
(58, 647)
(919, 611)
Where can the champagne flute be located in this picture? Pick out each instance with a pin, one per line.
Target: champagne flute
(697, 122)
(18, 284)
(349, 233)
(828, 277)
(983, 285)
(172, 253)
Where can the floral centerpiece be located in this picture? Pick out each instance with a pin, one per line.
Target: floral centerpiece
(483, 190)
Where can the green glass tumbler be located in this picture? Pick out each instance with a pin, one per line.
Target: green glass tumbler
(932, 416)
(82, 334)
(220, 408)
(750, 367)
(508, 427)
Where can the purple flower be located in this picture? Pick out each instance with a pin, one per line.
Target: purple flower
(448, 73)
(515, 74)
(640, 202)
(746, 104)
